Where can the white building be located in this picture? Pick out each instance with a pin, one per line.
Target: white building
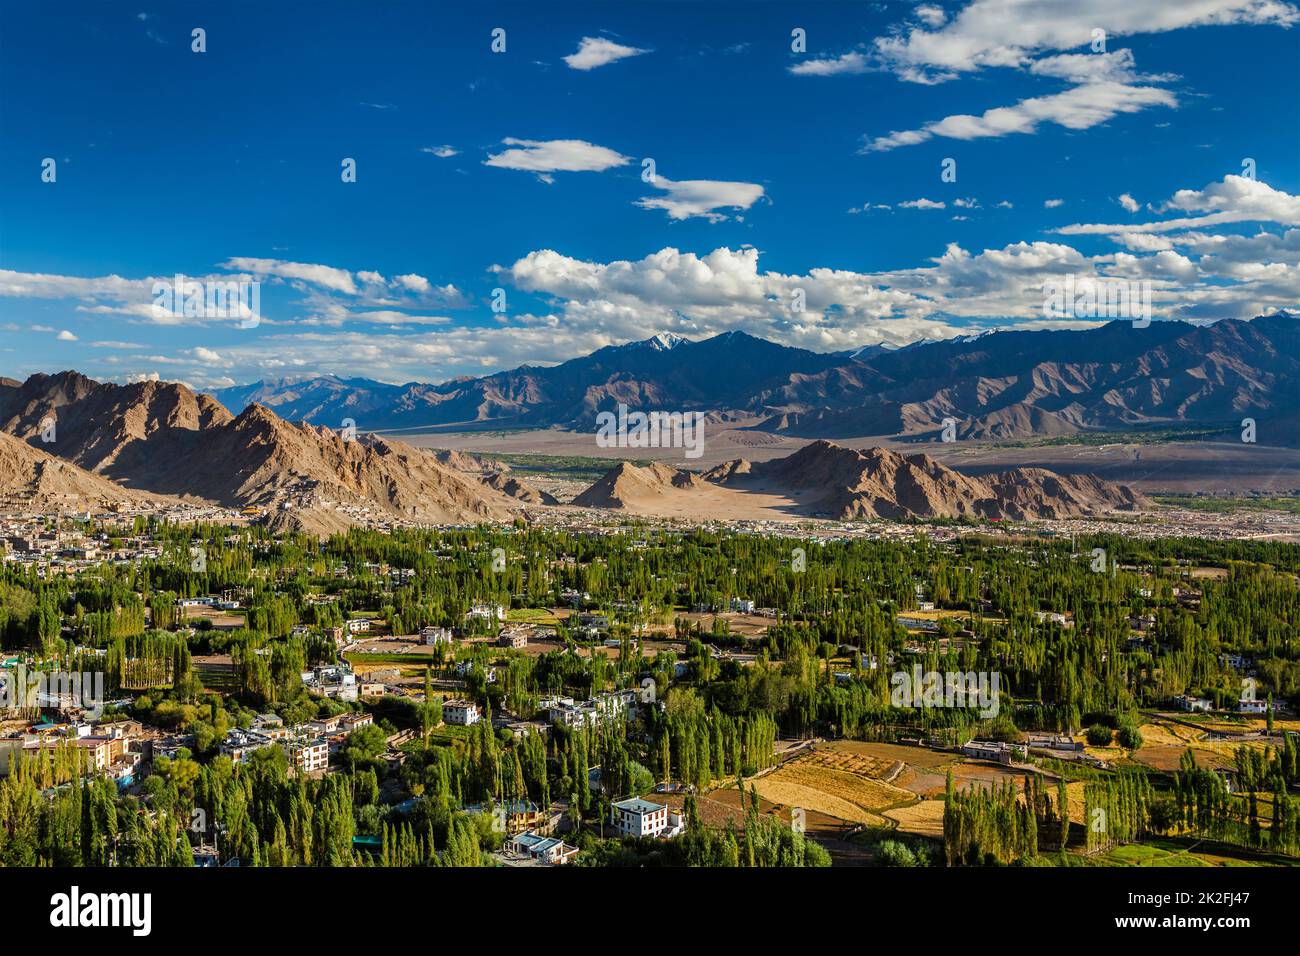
(544, 849)
(566, 712)
(1189, 703)
(311, 755)
(333, 681)
(637, 818)
(486, 612)
(461, 712)
(435, 635)
(1252, 706)
(238, 744)
(358, 625)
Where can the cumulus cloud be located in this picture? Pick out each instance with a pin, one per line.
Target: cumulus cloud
(1128, 202)
(442, 152)
(594, 52)
(1234, 199)
(1011, 33)
(701, 197)
(556, 155)
(1028, 35)
(921, 203)
(327, 277)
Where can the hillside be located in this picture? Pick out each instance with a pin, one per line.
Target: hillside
(826, 480)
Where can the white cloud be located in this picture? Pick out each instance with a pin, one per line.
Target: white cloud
(556, 155)
(597, 51)
(1080, 107)
(1117, 66)
(1009, 33)
(416, 283)
(1128, 202)
(1235, 199)
(66, 336)
(327, 277)
(930, 15)
(442, 152)
(701, 197)
(1142, 242)
(1053, 203)
(832, 66)
(922, 203)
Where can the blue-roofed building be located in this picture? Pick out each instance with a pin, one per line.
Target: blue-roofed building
(544, 849)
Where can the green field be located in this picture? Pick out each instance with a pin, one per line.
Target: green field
(1221, 504)
(574, 467)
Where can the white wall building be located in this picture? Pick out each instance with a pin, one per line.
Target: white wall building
(461, 712)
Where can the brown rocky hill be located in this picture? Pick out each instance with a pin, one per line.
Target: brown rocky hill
(34, 479)
(163, 439)
(513, 487)
(467, 461)
(629, 487)
(260, 460)
(105, 427)
(844, 483)
(826, 480)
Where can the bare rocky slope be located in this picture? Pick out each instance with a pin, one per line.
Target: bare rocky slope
(628, 487)
(162, 438)
(826, 480)
(32, 479)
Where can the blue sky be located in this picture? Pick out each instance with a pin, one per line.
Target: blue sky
(776, 171)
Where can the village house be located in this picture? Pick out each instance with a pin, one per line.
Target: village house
(434, 636)
(486, 612)
(549, 850)
(333, 680)
(514, 637)
(515, 816)
(996, 750)
(1188, 703)
(644, 818)
(310, 755)
(567, 712)
(358, 625)
(1053, 742)
(462, 713)
(238, 744)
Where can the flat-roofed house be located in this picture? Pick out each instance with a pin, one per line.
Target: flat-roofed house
(638, 817)
(460, 712)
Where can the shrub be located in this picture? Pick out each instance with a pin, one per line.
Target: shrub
(893, 853)
(1099, 735)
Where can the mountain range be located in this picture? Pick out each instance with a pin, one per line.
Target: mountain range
(826, 480)
(161, 438)
(996, 385)
(71, 442)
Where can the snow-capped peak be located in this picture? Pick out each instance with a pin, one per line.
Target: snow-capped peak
(663, 342)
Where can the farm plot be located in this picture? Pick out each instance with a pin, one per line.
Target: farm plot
(816, 782)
